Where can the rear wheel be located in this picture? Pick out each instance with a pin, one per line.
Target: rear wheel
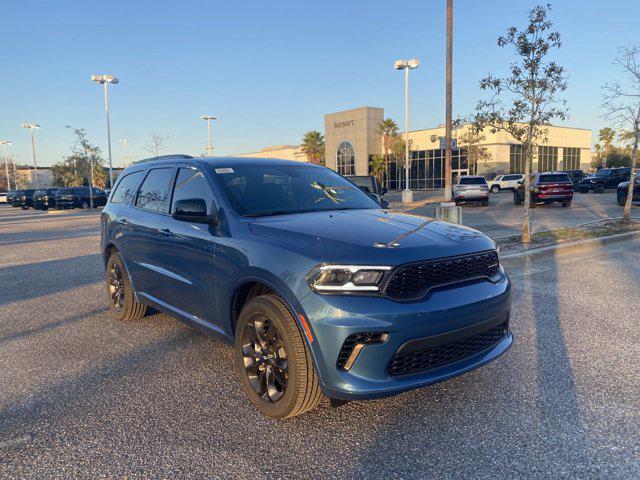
(273, 361)
(120, 293)
(25, 207)
(566, 204)
(84, 204)
(621, 200)
(599, 188)
(495, 188)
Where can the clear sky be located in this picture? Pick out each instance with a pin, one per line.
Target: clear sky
(269, 70)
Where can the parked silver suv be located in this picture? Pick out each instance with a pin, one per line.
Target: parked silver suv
(471, 188)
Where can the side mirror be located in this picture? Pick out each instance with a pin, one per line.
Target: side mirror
(193, 210)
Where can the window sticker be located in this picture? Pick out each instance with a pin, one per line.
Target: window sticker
(224, 170)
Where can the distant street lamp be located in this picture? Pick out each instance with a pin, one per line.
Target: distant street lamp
(106, 80)
(124, 158)
(406, 65)
(32, 127)
(208, 118)
(5, 144)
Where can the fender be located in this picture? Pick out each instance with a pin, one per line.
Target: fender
(284, 292)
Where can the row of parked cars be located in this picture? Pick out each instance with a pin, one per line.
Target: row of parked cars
(62, 198)
(546, 187)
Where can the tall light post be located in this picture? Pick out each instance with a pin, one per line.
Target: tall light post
(106, 80)
(124, 147)
(5, 144)
(447, 122)
(32, 127)
(406, 65)
(208, 118)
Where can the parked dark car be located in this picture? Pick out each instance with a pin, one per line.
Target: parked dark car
(319, 289)
(606, 178)
(546, 187)
(623, 191)
(10, 195)
(44, 199)
(78, 197)
(370, 185)
(575, 176)
(22, 198)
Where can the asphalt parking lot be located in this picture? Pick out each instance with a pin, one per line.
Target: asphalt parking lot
(83, 395)
(502, 218)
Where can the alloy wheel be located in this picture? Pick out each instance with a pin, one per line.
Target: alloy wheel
(116, 287)
(265, 358)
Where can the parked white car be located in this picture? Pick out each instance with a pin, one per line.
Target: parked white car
(505, 182)
(3, 197)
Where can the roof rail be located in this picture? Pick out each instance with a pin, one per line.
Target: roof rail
(164, 157)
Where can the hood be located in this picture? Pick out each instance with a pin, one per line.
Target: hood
(370, 236)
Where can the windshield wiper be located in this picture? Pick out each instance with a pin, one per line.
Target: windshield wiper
(274, 213)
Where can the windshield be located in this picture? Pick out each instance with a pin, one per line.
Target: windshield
(472, 181)
(257, 190)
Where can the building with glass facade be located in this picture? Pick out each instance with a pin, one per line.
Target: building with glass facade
(352, 138)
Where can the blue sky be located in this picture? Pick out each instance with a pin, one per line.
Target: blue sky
(269, 70)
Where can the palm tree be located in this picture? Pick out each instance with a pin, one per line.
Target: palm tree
(388, 130)
(606, 136)
(313, 147)
(376, 167)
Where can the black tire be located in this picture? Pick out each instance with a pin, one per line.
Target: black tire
(84, 205)
(599, 188)
(300, 391)
(621, 200)
(495, 189)
(485, 203)
(566, 204)
(516, 199)
(25, 207)
(121, 299)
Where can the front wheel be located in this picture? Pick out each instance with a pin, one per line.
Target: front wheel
(25, 207)
(84, 205)
(273, 360)
(495, 189)
(621, 200)
(599, 188)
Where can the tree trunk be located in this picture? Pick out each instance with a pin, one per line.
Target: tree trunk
(526, 224)
(626, 214)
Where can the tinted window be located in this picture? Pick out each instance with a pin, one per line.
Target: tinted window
(554, 178)
(190, 183)
(278, 189)
(125, 189)
(605, 172)
(472, 181)
(155, 189)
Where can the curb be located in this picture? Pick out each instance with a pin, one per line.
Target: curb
(582, 246)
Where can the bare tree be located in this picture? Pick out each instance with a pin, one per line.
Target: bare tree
(156, 144)
(621, 104)
(531, 88)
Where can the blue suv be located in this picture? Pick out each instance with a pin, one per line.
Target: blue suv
(319, 289)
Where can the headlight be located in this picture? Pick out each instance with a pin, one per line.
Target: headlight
(347, 278)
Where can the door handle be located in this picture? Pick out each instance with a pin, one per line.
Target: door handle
(165, 232)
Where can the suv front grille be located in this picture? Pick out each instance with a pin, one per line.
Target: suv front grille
(438, 356)
(413, 280)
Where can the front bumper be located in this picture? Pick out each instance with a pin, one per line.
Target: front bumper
(452, 313)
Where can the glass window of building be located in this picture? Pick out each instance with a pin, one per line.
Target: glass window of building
(547, 159)
(570, 158)
(346, 159)
(516, 159)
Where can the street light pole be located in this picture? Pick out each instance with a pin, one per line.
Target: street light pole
(208, 118)
(449, 58)
(32, 127)
(124, 147)
(5, 144)
(406, 65)
(106, 80)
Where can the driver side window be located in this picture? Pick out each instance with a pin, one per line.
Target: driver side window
(191, 184)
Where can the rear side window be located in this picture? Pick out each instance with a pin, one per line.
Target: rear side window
(155, 190)
(125, 190)
(554, 178)
(191, 184)
(472, 181)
